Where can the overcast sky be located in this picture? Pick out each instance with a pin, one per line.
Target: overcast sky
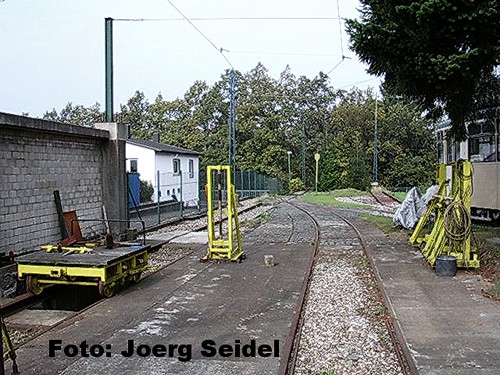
(52, 52)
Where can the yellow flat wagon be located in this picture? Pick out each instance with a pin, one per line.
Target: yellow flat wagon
(101, 267)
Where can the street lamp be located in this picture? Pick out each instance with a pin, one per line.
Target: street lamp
(289, 168)
(316, 158)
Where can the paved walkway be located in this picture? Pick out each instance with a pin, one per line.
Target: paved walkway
(451, 329)
(187, 311)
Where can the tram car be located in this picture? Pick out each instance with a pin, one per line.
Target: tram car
(482, 148)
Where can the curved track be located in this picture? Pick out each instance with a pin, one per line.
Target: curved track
(292, 348)
(287, 363)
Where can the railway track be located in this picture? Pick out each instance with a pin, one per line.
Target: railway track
(160, 258)
(384, 198)
(295, 357)
(292, 360)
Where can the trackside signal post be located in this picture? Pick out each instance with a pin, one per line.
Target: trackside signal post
(221, 202)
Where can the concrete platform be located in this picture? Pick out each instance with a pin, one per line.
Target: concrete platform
(181, 307)
(180, 237)
(450, 327)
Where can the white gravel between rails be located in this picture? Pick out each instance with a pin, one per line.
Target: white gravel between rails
(343, 330)
(375, 208)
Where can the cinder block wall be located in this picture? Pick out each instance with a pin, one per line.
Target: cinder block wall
(38, 157)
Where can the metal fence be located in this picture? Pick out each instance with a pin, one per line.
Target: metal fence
(182, 195)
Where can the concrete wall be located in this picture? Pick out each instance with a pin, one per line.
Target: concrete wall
(38, 157)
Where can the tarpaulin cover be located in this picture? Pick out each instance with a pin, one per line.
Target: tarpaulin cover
(413, 207)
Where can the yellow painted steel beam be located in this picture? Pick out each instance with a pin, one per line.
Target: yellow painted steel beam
(58, 271)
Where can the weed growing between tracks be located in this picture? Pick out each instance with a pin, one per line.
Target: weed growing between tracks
(21, 335)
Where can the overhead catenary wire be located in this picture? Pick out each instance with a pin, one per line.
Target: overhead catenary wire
(222, 50)
(230, 19)
(219, 49)
(339, 18)
(340, 30)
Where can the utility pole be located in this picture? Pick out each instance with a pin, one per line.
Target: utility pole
(375, 145)
(304, 154)
(108, 27)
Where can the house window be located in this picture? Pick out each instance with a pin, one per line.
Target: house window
(482, 145)
(133, 165)
(177, 166)
(191, 168)
(440, 147)
(450, 151)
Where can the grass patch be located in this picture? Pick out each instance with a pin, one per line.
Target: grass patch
(386, 225)
(494, 292)
(329, 198)
(399, 195)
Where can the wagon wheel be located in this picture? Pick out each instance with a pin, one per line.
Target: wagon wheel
(33, 285)
(136, 277)
(105, 290)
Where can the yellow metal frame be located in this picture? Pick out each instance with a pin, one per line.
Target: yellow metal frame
(225, 246)
(437, 242)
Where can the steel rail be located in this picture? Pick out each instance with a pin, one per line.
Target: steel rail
(380, 201)
(287, 363)
(394, 329)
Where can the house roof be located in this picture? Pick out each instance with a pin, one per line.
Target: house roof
(161, 147)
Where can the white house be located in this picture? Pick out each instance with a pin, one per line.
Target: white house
(173, 169)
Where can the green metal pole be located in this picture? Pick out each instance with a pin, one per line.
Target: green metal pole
(232, 124)
(289, 167)
(109, 68)
(304, 154)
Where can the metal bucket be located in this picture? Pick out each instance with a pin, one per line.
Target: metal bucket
(446, 265)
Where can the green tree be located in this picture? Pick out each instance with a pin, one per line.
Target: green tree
(76, 114)
(135, 114)
(439, 53)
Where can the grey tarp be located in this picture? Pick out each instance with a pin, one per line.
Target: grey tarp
(413, 207)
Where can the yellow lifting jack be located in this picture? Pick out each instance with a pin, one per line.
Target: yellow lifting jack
(451, 232)
(222, 202)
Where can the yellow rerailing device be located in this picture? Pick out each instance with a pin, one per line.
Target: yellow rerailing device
(451, 230)
(222, 203)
